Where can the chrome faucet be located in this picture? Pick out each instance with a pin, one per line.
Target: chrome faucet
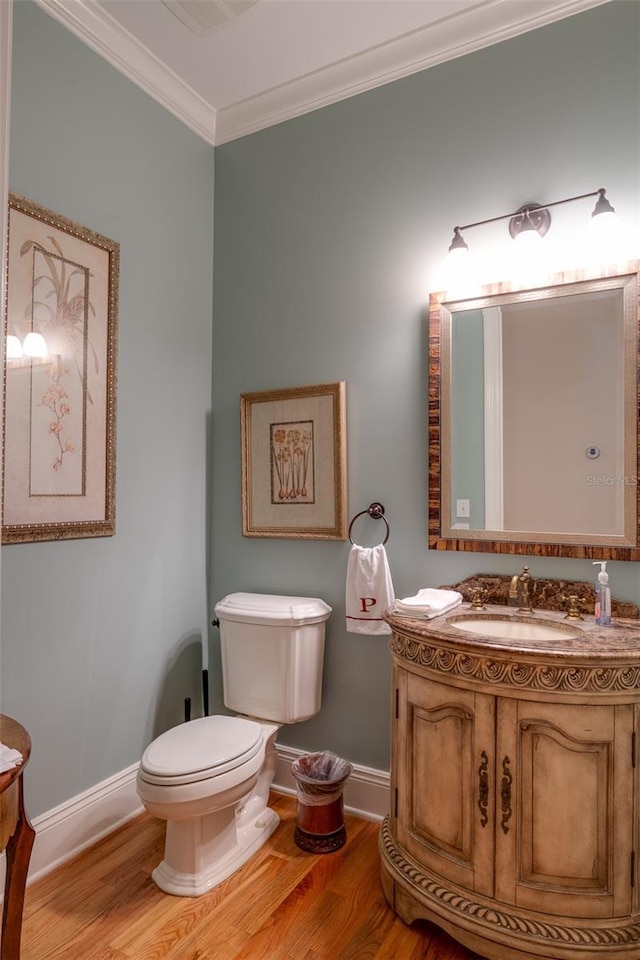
(521, 591)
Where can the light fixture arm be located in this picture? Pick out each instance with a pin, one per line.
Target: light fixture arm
(600, 193)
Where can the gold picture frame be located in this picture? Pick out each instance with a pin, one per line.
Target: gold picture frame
(294, 462)
(60, 385)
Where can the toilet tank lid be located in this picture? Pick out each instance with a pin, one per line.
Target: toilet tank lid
(270, 609)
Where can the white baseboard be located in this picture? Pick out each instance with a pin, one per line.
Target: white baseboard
(67, 830)
(78, 823)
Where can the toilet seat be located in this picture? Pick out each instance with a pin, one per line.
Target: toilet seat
(200, 749)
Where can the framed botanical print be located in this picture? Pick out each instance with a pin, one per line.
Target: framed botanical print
(294, 463)
(60, 378)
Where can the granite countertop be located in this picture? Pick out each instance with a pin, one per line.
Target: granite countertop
(584, 638)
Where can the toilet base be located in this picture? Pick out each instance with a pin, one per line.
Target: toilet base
(249, 837)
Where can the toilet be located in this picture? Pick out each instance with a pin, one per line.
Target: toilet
(210, 778)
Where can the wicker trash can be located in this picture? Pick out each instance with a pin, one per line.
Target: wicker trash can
(320, 780)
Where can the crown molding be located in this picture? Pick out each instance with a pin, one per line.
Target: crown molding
(482, 25)
(485, 23)
(103, 34)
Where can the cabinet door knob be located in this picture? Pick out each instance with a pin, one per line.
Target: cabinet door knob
(483, 793)
(505, 794)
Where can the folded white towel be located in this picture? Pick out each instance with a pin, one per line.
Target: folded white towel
(428, 603)
(369, 590)
(9, 758)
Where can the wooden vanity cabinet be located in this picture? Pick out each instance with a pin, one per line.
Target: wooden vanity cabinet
(440, 739)
(515, 814)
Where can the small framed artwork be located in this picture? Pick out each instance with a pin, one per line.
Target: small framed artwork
(60, 378)
(294, 463)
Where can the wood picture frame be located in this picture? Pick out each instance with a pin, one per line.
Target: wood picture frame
(60, 394)
(294, 462)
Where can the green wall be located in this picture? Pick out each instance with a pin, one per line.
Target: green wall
(101, 638)
(330, 230)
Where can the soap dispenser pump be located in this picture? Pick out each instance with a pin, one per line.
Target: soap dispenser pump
(603, 595)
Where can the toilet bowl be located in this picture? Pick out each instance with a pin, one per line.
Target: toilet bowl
(210, 778)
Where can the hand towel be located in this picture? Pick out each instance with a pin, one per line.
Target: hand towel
(9, 758)
(369, 590)
(428, 603)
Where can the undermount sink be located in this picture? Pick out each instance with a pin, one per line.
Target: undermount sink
(513, 629)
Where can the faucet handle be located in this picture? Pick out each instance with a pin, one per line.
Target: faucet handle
(477, 598)
(573, 612)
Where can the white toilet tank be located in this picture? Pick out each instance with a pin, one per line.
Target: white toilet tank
(272, 655)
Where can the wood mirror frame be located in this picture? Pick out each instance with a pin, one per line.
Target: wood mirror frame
(578, 545)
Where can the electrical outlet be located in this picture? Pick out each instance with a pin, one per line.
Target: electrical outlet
(463, 508)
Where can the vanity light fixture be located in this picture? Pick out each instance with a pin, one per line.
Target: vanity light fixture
(530, 223)
(458, 245)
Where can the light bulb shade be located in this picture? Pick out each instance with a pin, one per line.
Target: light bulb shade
(35, 345)
(602, 208)
(14, 347)
(605, 241)
(528, 238)
(529, 219)
(604, 226)
(458, 244)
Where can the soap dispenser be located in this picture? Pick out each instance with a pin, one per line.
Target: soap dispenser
(603, 595)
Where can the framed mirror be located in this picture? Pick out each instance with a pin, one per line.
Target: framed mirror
(533, 419)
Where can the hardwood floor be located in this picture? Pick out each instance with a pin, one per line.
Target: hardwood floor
(284, 905)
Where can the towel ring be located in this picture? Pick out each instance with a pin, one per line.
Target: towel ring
(376, 512)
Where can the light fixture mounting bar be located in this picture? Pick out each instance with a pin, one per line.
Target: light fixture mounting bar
(543, 206)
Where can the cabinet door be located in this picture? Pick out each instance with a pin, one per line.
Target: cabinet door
(564, 833)
(444, 749)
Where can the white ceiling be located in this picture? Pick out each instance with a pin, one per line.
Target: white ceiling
(281, 58)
